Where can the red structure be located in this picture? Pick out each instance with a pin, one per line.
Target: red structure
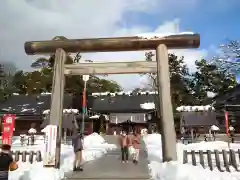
(227, 123)
(8, 127)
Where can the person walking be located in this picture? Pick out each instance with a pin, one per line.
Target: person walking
(31, 135)
(135, 142)
(232, 134)
(6, 162)
(77, 142)
(124, 144)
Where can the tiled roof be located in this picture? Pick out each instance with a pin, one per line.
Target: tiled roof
(121, 103)
(36, 104)
(199, 118)
(67, 122)
(77, 102)
(31, 104)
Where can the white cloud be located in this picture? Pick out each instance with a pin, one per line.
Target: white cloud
(190, 55)
(37, 20)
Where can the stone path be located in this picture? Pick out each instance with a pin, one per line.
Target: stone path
(111, 167)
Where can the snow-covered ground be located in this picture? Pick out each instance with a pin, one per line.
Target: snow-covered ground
(179, 171)
(94, 147)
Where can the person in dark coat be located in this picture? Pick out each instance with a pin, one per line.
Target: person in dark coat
(77, 142)
(6, 162)
(232, 133)
(124, 142)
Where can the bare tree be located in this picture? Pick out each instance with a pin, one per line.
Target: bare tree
(228, 58)
(152, 82)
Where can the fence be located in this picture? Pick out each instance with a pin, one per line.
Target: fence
(229, 159)
(22, 156)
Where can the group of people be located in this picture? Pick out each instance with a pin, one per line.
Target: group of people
(130, 142)
(30, 137)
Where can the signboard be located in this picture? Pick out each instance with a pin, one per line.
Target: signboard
(8, 127)
(85, 78)
(50, 145)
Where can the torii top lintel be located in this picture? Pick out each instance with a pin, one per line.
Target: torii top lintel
(135, 43)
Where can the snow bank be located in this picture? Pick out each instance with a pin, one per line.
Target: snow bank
(96, 147)
(179, 171)
(220, 145)
(93, 138)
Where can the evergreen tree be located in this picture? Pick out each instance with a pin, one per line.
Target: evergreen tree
(179, 79)
(41, 80)
(210, 78)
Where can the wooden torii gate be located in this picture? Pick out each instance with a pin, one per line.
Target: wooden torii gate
(135, 43)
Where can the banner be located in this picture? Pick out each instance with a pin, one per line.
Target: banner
(226, 123)
(8, 127)
(50, 145)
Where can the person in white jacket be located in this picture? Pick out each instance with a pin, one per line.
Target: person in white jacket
(32, 133)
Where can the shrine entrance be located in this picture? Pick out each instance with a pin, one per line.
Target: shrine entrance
(136, 43)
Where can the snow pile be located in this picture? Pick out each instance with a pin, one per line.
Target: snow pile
(179, 171)
(93, 138)
(96, 147)
(153, 144)
(220, 145)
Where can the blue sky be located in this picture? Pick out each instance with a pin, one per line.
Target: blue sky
(20, 21)
(215, 22)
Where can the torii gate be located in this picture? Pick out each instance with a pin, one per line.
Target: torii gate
(136, 43)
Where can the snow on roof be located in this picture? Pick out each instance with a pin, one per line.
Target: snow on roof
(148, 105)
(194, 108)
(43, 93)
(65, 111)
(28, 110)
(161, 35)
(46, 93)
(8, 109)
(31, 104)
(96, 116)
(129, 93)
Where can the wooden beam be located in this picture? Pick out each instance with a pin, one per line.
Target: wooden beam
(111, 68)
(134, 43)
